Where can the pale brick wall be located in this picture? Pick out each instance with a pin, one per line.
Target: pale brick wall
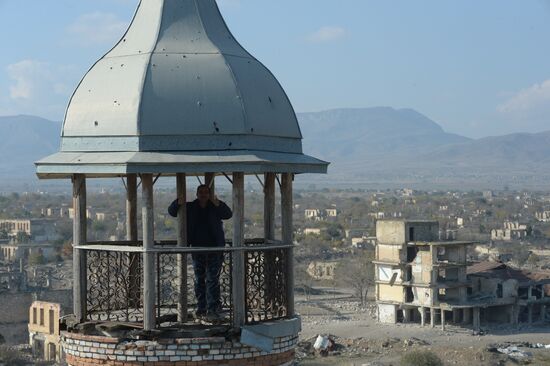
(84, 350)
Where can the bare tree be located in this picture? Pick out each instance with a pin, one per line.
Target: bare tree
(357, 273)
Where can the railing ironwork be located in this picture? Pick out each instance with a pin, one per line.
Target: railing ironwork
(115, 274)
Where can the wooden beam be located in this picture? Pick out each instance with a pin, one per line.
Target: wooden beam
(132, 236)
(80, 278)
(147, 218)
(182, 242)
(288, 236)
(238, 269)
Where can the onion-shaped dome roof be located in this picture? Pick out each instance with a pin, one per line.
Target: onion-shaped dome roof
(178, 91)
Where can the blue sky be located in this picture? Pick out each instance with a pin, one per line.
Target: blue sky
(478, 68)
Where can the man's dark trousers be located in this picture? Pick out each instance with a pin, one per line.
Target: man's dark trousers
(208, 267)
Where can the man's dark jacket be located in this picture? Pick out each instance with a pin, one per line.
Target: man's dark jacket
(215, 215)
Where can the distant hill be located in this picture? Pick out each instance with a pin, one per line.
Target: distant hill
(401, 146)
(372, 136)
(384, 146)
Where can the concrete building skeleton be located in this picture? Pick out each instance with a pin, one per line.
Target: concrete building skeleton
(422, 279)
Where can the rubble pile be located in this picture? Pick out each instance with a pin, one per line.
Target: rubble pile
(329, 345)
(517, 351)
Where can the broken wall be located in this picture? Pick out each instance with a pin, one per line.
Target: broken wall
(390, 293)
(387, 313)
(390, 253)
(390, 232)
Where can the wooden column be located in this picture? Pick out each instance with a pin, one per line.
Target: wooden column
(182, 242)
(238, 269)
(147, 218)
(210, 181)
(288, 236)
(269, 206)
(131, 208)
(132, 236)
(270, 284)
(80, 278)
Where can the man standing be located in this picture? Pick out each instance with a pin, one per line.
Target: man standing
(205, 229)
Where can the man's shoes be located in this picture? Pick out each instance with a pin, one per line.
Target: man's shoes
(200, 314)
(213, 317)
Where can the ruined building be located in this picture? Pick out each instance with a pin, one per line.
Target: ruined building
(422, 279)
(44, 331)
(417, 276)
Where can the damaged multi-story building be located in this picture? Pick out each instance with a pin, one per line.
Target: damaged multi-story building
(420, 278)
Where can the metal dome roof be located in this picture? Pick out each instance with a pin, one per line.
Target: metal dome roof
(177, 81)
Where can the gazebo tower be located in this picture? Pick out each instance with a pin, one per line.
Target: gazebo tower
(179, 96)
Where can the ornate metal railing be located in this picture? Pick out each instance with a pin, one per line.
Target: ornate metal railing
(114, 286)
(115, 273)
(265, 284)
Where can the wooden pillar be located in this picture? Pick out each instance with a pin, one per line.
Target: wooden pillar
(181, 229)
(432, 317)
(210, 181)
(476, 319)
(269, 206)
(147, 218)
(80, 278)
(270, 281)
(442, 319)
(134, 280)
(288, 236)
(422, 316)
(238, 269)
(131, 208)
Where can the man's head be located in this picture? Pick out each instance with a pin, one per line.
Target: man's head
(203, 194)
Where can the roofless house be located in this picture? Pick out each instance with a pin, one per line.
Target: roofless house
(179, 96)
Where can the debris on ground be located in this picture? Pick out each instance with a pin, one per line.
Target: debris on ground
(324, 345)
(513, 350)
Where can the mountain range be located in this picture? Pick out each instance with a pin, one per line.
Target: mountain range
(380, 145)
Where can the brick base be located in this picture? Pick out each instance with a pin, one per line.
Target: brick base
(84, 350)
(281, 359)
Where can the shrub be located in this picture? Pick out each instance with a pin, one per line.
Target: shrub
(421, 358)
